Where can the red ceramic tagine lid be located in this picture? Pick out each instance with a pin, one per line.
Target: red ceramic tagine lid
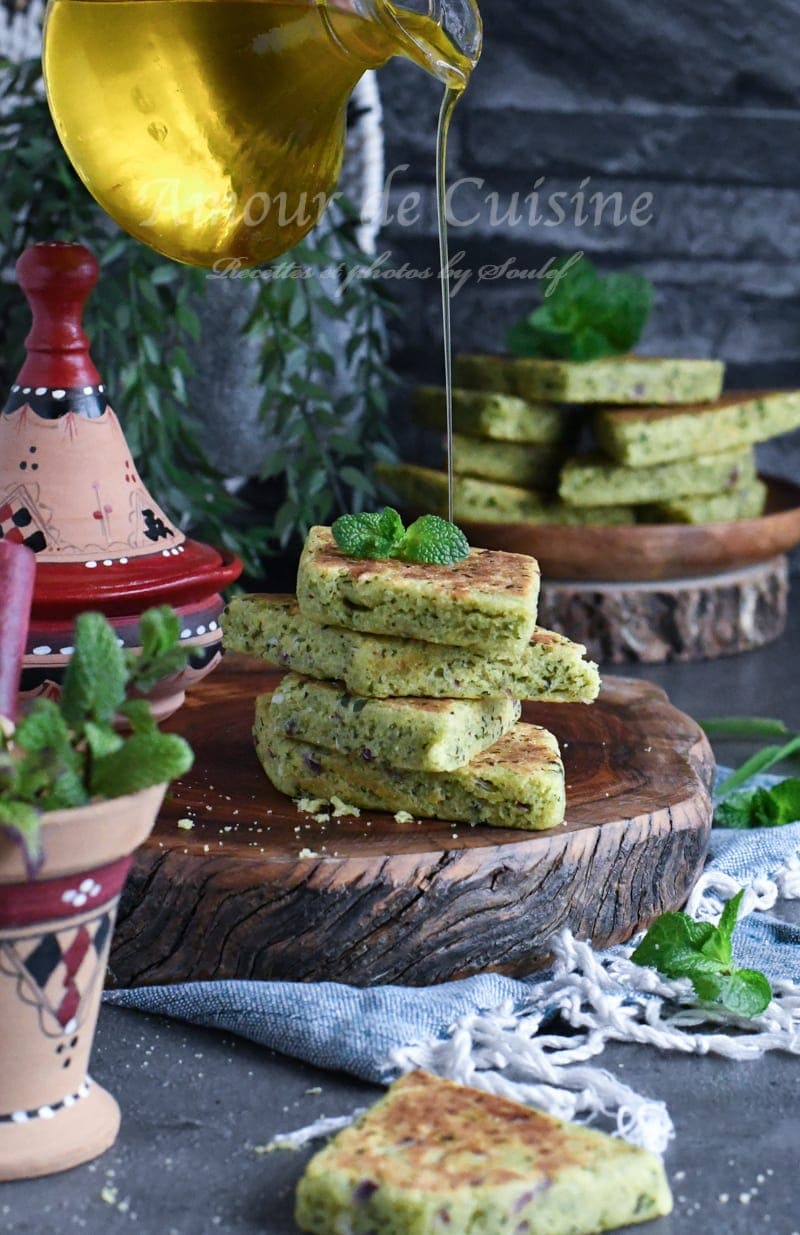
(69, 488)
(71, 492)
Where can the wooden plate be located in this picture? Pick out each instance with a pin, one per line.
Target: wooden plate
(410, 903)
(652, 551)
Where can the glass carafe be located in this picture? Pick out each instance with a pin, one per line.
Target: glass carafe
(213, 130)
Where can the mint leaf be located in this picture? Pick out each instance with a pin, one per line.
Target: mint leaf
(699, 932)
(689, 963)
(736, 811)
(64, 791)
(435, 541)
(390, 525)
(587, 344)
(21, 821)
(369, 535)
(47, 770)
(161, 654)
(96, 677)
(159, 631)
(44, 728)
(139, 715)
(707, 986)
(717, 950)
(746, 992)
(101, 740)
(145, 759)
(667, 936)
(584, 316)
(778, 806)
(730, 916)
(626, 305)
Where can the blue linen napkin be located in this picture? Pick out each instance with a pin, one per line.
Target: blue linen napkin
(345, 1028)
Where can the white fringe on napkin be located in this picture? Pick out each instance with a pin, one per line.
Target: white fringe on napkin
(606, 998)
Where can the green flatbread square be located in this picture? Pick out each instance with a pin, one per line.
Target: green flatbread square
(423, 489)
(428, 735)
(435, 1158)
(551, 669)
(490, 598)
(511, 463)
(641, 438)
(502, 417)
(518, 782)
(591, 480)
(746, 501)
(614, 379)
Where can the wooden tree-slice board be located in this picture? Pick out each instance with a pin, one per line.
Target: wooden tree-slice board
(410, 903)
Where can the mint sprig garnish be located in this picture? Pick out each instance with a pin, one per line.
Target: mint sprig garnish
(679, 947)
(586, 316)
(429, 540)
(67, 754)
(761, 761)
(756, 808)
(761, 808)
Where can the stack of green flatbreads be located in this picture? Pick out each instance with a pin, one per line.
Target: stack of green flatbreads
(667, 446)
(404, 685)
(508, 451)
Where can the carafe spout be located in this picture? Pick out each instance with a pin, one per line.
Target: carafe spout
(444, 35)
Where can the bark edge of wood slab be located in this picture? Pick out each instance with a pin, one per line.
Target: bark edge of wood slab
(684, 620)
(409, 903)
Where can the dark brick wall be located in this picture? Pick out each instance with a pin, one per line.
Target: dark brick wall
(695, 103)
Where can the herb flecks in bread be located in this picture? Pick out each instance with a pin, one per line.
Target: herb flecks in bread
(434, 1157)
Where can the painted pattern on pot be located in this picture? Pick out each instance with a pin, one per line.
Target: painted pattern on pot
(54, 941)
(70, 491)
(55, 935)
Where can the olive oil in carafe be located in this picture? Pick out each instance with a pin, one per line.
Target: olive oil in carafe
(213, 130)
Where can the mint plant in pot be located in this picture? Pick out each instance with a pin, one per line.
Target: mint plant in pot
(81, 783)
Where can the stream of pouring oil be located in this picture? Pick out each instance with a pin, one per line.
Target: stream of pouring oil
(451, 97)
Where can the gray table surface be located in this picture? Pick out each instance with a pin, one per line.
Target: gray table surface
(197, 1104)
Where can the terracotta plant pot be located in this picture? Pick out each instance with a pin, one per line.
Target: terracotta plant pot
(55, 932)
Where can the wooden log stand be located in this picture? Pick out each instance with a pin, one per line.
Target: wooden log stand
(682, 619)
(415, 903)
(658, 592)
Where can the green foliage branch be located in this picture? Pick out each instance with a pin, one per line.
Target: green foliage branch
(144, 325)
